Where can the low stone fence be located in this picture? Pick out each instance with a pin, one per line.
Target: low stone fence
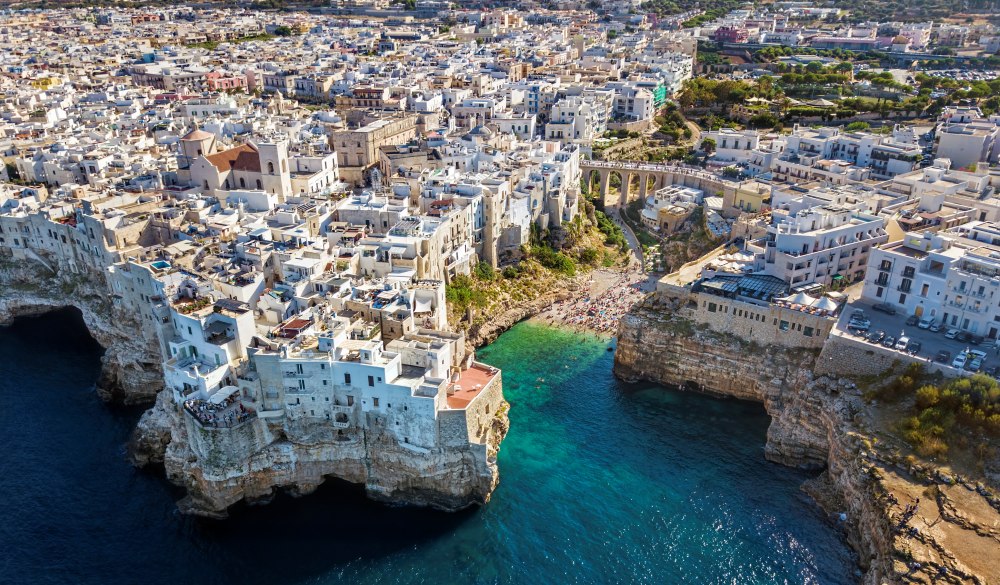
(846, 356)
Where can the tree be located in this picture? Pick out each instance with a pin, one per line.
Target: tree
(857, 126)
(763, 120)
(708, 146)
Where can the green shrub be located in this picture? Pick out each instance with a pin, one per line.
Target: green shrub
(484, 271)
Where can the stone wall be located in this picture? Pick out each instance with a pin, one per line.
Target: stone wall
(844, 356)
(218, 448)
(763, 324)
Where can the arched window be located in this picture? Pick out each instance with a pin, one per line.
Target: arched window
(270, 168)
(243, 183)
(259, 186)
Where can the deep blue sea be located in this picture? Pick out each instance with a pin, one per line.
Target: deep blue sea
(601, 482)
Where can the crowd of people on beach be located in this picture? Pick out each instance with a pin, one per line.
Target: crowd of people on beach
(597, 310)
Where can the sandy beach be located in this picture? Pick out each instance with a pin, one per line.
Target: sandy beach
(604, 297)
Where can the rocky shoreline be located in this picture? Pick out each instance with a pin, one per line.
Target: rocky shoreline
(302, 455)
(818, 423)
(131, 372)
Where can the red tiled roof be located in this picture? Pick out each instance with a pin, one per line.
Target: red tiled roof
(241, 158)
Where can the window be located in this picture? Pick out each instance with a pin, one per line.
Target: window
(347, 379)
(371, 380)
(878, 292)
(808, 332)
(885, 265)
(375, 402)
(908, 272)
(350, 401)
(784, 326)
(298, 368)
(712, 307)
(270, 168)
(902, 298)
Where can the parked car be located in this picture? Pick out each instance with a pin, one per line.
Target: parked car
(925, 323)
(951, 334)
(889, 341)
(902, 342)
(975, 365)
(912, 320)
(977, 353)
(976, 339)
(934, 328)
(884, 308)
(960, 360)
(943, 356)
(913, 348)
(876, 336)
(963, 336)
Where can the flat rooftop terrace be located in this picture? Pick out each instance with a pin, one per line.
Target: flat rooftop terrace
(469, 385)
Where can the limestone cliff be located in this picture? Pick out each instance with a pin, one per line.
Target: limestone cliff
(298, 456)
(131, 370)
(818, 422)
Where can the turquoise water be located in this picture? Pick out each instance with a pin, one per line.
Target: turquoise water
(601, 482)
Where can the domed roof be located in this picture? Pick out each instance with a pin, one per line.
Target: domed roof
(481, 131)
(197, 134)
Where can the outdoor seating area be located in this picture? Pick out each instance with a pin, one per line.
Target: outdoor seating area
(225, 412)
(822, 306)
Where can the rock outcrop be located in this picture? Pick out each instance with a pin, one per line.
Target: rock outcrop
(131, 371)
(817, 422)
(299, 456)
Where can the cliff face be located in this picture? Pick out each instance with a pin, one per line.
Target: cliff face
(290, 455)
(131, 371)
(297, 456)
(816, 422)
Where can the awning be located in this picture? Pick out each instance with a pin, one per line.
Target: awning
(222, 394)
(826, 304)
(423, 306)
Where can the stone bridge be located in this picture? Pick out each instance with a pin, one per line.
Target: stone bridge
(652, 177)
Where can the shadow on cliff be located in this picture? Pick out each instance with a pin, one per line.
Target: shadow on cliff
(297, 539)
(58, 329)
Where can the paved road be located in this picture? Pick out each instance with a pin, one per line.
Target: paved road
(633, 242)
(931, 342)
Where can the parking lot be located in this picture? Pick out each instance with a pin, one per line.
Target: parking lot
(931, 343)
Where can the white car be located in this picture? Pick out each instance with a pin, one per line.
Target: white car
(902, 343)
(951, 333)
(925, 323)
(960, 360)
